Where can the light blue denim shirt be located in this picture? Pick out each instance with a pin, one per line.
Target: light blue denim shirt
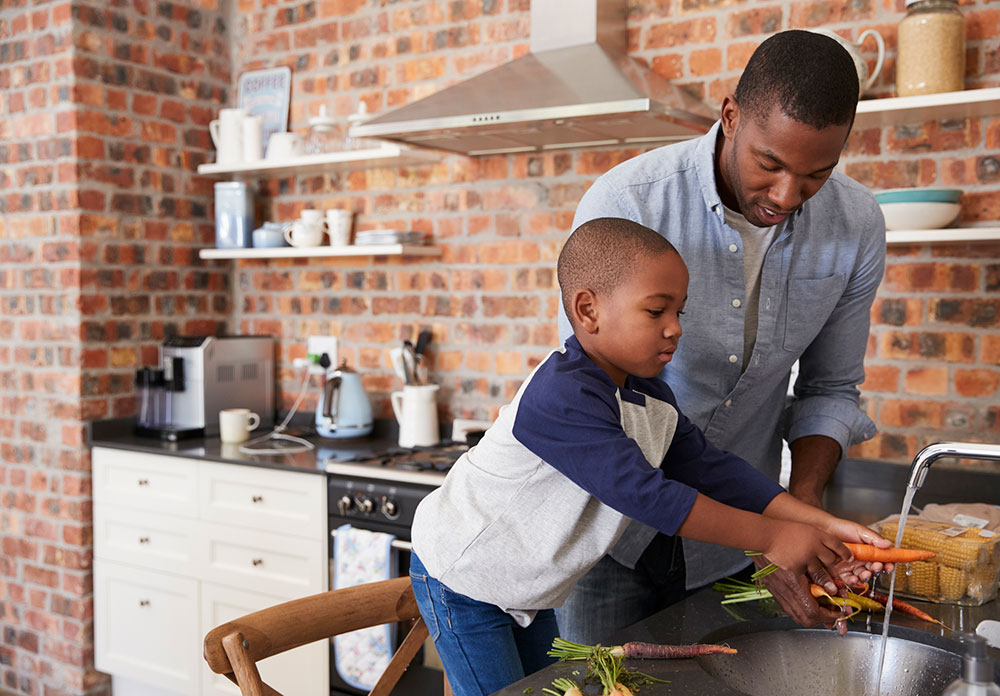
(818, 282)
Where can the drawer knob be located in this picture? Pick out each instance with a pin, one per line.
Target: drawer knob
(143, 540)
(143, 482)
(257, 499)
(143, 602)
(258, 561)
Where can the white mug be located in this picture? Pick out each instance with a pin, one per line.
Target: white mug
(416, 410)
(252, 147)
(338, 226)
(235, 424)
(284, 145)
(303, 234)
(227, 134)
(312, 217)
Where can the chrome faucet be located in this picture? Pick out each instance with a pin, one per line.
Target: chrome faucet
(964, 450)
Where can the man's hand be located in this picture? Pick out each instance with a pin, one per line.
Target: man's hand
(792, 592)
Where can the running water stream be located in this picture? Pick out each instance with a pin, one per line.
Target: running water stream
(907, 500)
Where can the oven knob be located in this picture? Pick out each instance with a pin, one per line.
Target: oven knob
(366, 505)
(344, 504)
(389, 508)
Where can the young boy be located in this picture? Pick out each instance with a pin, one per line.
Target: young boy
(591, 439)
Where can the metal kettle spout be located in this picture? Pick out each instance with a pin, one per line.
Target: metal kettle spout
(931, 453)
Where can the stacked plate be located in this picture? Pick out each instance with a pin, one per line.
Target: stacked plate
(375, 237)
(919, 208)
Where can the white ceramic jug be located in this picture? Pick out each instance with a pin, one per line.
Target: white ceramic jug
(416, 410)
(227, 134)
(865, 81)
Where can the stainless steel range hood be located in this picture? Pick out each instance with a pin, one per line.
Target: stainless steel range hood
(576, 88)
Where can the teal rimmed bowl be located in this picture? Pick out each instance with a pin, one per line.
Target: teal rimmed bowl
(919, 195)
(919, 208)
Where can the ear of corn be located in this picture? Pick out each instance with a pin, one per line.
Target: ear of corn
(964, 570)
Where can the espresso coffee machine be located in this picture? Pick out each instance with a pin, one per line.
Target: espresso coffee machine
(199, 376)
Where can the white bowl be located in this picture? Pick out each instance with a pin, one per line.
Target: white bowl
(919, 215)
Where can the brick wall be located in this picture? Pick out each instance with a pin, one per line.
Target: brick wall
(105, 106)
(104, 110)
(934, 357)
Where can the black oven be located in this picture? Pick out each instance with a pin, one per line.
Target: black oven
(381, 506)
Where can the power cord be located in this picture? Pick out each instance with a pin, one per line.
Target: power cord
(279, 431)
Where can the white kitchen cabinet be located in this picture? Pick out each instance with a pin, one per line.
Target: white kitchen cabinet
(145, 626)
(182, 545)
(220, 604)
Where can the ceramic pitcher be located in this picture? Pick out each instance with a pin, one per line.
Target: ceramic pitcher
(865, 80)
(416, 410)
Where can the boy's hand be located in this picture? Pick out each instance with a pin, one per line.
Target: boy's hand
(806, 550)
(853, 571)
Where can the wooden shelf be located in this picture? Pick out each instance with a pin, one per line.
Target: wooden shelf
(952, 234)
(386, 155)
(928, 107)
(318, 251)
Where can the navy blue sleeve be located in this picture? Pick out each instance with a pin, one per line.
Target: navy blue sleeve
(574, 425)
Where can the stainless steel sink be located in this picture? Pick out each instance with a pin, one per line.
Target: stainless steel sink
(778, 657)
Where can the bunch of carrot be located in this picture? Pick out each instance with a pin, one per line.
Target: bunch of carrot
(605, 663)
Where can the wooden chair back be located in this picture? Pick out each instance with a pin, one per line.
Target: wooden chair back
(234, 648)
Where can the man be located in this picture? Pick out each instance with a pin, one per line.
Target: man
(785, 256)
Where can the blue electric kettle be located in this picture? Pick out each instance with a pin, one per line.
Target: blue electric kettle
(343, 410)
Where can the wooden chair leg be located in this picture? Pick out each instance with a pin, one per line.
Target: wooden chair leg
(401, 660)
(245, 669)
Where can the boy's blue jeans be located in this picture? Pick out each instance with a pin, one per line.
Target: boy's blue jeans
(482, 647)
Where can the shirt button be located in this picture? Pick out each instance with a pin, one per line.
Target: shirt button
(729, 402)
(733, 358)
(733, 248)
(736, 303)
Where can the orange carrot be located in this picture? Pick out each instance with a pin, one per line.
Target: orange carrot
(867, 553)
(906, 608)
(652, 651)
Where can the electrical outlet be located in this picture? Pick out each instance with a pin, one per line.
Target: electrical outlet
(317, 345)
(461, 426)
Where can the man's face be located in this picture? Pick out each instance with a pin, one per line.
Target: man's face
(769, 167)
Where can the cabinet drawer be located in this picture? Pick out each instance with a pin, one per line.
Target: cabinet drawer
(146, 626)
(275, 564)
(265, 499)
(147, 539)
(304, 671)
(145, 481)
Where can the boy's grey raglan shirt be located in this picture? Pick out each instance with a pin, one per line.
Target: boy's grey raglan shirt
(550, 488)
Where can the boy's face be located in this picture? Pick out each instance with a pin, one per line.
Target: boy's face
(769, 168)
(638, 326)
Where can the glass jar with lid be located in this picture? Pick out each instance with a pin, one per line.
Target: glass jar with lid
(353, 142)
(931, 41)
(322, 133)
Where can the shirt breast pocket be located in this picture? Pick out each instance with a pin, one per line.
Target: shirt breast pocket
(810, 302)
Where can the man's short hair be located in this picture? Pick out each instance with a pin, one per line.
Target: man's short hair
(601, 253)
(811, 77)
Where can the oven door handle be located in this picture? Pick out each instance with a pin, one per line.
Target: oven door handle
(398, 544)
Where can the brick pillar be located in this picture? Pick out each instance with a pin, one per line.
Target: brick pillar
(104, 120)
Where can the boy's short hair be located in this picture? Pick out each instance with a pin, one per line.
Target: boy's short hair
(810, 77)
(601, 253)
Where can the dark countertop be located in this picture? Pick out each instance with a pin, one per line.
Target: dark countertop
(118, 434)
